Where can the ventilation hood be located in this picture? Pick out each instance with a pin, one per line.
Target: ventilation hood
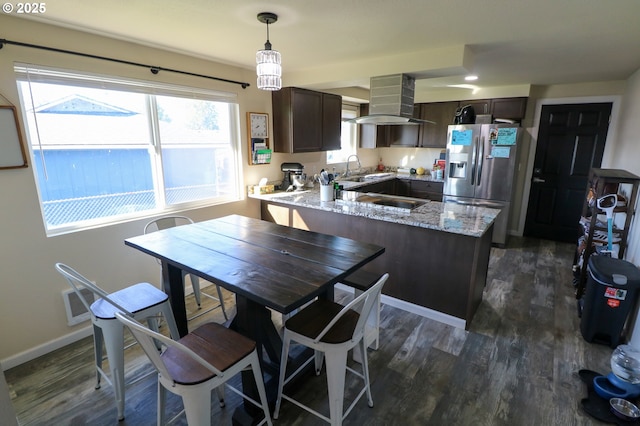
(391, 101)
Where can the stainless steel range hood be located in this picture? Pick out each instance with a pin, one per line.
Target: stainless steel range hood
(391, 101)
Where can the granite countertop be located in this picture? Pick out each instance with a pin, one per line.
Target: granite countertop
(447, 217)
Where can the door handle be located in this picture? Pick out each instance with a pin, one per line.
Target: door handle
(474, 161)
(480, 160)
(538, 180)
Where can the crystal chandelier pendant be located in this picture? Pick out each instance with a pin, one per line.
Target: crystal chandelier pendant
(269, 69)
(268, 61)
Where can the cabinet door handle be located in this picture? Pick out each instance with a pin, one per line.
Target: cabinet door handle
(538, 180)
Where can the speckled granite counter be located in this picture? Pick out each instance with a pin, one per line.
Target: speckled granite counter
(448, 217)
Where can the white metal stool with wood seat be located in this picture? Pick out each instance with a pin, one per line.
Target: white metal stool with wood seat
(199, 362)
(166, 222)
(331, 330)
(142, 301)
(361, 281)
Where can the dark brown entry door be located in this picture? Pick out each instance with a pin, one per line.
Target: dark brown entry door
(571, 140)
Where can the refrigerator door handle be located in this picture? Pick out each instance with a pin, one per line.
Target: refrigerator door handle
(480, 160)
(474, 161)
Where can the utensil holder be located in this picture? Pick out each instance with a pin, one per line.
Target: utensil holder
(326, 192)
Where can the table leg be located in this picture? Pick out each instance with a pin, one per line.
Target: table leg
(173, 285)
(254, 321)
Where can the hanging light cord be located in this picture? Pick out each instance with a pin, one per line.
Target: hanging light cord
(153, 68)
(267, 45)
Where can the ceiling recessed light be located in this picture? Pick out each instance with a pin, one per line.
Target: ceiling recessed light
(471, 78)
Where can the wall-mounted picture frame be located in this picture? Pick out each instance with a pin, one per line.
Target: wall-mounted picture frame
(258, 138)
(12, 154)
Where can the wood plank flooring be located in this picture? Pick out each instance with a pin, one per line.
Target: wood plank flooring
(517, 365)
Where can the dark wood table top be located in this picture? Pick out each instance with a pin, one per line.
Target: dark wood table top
(276, 266)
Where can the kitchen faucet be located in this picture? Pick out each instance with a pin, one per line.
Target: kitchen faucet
(357, 159)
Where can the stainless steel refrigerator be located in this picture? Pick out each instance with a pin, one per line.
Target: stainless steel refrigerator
(481, 164)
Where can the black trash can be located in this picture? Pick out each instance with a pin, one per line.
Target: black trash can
(612, 291)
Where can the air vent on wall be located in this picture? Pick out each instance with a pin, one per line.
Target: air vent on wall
(76, 311)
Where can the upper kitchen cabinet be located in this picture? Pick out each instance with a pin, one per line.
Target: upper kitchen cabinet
(406, 135)
(382, 136)
(305, 120)
(480, 106)
(442, 113)
(509, 108)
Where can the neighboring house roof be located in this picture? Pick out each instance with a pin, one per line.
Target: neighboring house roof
(81, 105)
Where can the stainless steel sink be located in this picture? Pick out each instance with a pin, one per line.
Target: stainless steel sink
(365, 178)
(390, 200)
(353, 179)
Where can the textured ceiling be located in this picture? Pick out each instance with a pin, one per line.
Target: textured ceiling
(342, 43)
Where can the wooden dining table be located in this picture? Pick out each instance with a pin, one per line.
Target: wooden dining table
(267, 266)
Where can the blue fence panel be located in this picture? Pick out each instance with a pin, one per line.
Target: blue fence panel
(79, 173)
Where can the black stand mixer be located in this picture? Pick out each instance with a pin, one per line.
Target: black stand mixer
(292, 178)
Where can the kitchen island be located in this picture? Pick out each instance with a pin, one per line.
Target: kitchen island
(437, 254)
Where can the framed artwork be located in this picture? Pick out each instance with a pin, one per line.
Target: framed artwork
(12, 153)
(258, 137)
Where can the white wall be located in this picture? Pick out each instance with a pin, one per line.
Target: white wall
(626, 154)
(31, 306)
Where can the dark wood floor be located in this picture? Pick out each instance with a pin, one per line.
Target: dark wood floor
(517, 365)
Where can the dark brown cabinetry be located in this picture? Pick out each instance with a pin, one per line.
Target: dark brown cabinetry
(442, 113)
(372, 136)
(427, 190)
(305, 120)
(424, 189)
(480, 106)
(460, 279)
(381, 136)
(385, 187)
(509, 108)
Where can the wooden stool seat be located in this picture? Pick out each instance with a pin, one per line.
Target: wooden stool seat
(361, 280)
(314, 318)
(216, 344)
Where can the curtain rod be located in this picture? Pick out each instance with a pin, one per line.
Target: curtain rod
(154, 69)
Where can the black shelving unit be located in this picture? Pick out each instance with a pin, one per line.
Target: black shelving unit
(601, 181)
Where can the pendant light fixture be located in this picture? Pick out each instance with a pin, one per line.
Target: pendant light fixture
(268, 61)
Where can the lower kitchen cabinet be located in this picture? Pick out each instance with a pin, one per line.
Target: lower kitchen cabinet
(414, 188)
(385, 187)
(428, 190)
(449, 280)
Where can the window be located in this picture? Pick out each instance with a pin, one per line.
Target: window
(106, 150)
(348, 136)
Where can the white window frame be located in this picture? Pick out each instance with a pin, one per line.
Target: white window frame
(25, 72)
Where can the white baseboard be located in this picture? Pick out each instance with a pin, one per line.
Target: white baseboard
(60, 342)
(415, 309)
(45, 348)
